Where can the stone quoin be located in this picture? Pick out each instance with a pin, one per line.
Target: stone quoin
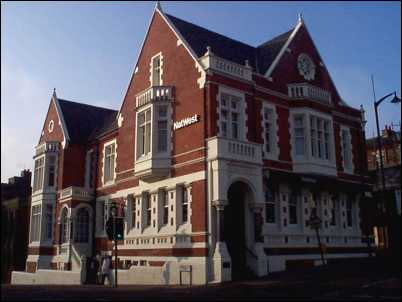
(216, 158)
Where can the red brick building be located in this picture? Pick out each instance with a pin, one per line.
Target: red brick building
(217, 156)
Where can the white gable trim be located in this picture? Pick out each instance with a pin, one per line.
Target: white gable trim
(283, 49)
(61, 119)
(179, 37)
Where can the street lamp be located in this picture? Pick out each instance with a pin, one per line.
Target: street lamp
(395, 100)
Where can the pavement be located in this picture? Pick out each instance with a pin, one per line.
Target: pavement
(361, 281)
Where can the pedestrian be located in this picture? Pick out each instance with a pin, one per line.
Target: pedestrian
(99, 260)
(106, 270)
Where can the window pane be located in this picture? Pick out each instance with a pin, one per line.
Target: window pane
(162, 136)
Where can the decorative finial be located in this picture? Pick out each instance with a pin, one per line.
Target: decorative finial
(300, 18)
(54, 92)
(158, 5)
(209, 51)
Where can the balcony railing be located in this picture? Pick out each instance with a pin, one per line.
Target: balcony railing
(229, 149)
(213, 62)
(154, 93)
(307, 91)
(76, 192)
(47, 147)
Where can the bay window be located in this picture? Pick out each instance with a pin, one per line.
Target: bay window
(162, 128)
(51, 170)
(49, 221)
(133, 213)
(299, 134)
(35, 223)
(144, 133)
(319, 138)
(39, 173)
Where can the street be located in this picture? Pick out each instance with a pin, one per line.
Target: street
(342, 281)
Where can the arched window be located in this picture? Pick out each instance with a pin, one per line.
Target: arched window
(64, 226)
(82, 227)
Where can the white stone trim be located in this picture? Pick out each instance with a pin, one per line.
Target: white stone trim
(61, 119)
(283, 49)
(144, 186)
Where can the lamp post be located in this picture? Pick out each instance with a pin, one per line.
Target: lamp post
(113, 212)
(395, 100)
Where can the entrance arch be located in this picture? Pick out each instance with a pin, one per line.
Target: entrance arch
(238, 226)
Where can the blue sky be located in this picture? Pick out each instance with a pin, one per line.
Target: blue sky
(87, 50)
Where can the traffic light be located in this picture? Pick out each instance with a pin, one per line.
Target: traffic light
(119, 228)
(109, 228)
(116, 231)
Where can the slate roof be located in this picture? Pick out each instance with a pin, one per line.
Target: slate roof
(85, 122)
(260, 57)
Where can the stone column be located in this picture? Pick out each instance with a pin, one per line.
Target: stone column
(221, 259)
(260, 264)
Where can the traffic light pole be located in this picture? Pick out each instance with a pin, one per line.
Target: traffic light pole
(115, 251)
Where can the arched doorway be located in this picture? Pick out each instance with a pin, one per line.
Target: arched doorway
(235, 229)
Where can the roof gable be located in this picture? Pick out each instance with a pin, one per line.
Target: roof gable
(85, 122)
(259, 58)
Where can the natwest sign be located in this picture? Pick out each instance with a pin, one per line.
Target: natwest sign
(186, 121)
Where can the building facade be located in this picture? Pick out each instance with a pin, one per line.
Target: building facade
(216, 158)
(15, 209)
(385, 224)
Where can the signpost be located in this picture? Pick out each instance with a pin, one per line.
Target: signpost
(115, 232)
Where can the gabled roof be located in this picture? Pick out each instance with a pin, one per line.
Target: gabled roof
(260, 58)
(84, 122)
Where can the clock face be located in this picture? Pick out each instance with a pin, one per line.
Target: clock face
(306, 67)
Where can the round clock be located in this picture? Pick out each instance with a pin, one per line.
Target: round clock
(306, 67)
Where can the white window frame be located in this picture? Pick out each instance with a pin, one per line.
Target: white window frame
(106, 145)
(88, 168)
(159, 119)
(139, 156)
(320, 142)
(48, 166)
(273, 203)
(35, 223)
(39, 180)
(348, 167)
(240, 110)
(48, 223)
(273, 137)
(297, 207)
(304, 136)
(151, 78)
